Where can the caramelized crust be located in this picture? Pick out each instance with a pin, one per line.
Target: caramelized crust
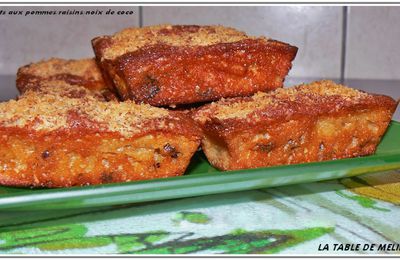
(52, 72)
(63, 89)
(314, 122)
(52, 141)
(170, 65)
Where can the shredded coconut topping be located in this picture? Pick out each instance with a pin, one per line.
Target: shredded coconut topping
(63, 89)
(132, 39)
(47, 112)
(85, 68)
(314, 93)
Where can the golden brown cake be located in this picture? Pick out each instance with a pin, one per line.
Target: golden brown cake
(84, 73)
(182, 64)
(63, 89)
(314, 122)
(52, 141)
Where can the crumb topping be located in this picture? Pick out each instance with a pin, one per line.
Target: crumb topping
(85, 68)
(46, 112)
(63, 89)
(132, 39)
(314, 94)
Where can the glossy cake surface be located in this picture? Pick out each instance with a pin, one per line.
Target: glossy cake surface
(314, 122)
(182, 64)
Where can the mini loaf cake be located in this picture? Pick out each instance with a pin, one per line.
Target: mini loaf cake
(183, 64)
(84, 73)
(52, 141)
(314, 122)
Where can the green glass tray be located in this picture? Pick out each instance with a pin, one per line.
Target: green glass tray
(202, 179)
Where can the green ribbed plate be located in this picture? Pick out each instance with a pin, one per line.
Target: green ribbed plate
(202, 179)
